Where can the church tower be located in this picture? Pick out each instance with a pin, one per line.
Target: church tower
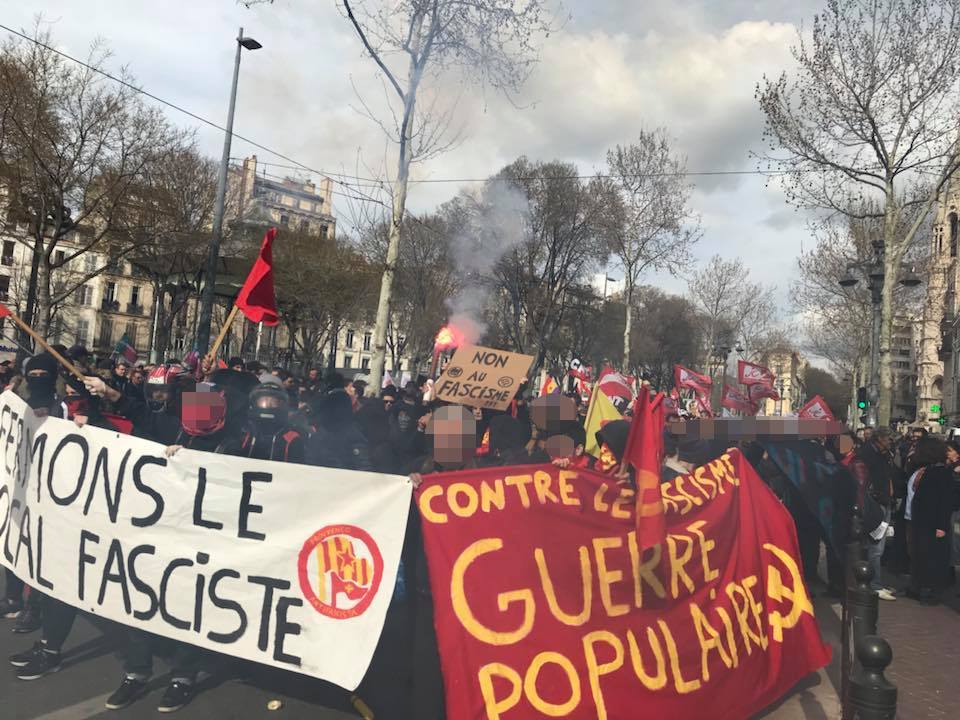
(936, 358)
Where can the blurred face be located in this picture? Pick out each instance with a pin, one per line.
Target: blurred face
(559, 446)
(121, 370)
(203, 413)
(552, 408)
(136, 377)
(883, 443)
(454, 433)
(845, 444)
(952, 454)
(238, 367)
(312, 375)
(388, 402)
(158, 393)
(289, 383)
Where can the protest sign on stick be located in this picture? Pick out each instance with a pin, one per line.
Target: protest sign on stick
(483, 377)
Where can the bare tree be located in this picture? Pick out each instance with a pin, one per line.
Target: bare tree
(657, 226)
(732, 308)
(538, 281)
(76, 146)
(871, 114)
(489, 41)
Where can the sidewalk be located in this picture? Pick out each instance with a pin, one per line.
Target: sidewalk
(926, 656)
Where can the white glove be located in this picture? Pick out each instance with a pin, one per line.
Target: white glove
(95, 386)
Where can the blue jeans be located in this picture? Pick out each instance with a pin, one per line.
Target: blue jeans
(875, 553)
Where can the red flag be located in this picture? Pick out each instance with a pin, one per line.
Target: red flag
(749, 373)
(5, 311)
(758, 392)
(256, 299)
(644, 450)
(733, 399)
(686, 378)
(706, 407)
(817, 409)
(615, 384)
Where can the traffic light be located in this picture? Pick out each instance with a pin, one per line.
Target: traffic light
(862, 398)
(942, 420)
(935, 408)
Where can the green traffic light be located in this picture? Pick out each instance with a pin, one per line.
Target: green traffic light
(862, 405)
(942, 421)
(935, 408)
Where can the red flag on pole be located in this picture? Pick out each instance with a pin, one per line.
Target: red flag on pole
(817, 409)
(733, 399)
(4, 311)
(758, 392)
(256, 298)
(686, 378)
(644, 450)
(749, 373)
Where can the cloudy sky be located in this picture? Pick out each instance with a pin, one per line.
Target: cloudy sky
(615, 66)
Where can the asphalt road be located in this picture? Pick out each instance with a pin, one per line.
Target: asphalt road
(92, 670)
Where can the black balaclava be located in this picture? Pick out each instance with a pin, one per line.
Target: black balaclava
(43, 388)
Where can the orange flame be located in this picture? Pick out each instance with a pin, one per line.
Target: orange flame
(447, 338)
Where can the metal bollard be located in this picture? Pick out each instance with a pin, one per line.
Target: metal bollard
(872, 696)
(862, 603)
(856, 552)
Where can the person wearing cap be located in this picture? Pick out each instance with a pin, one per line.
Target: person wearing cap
(236, 363)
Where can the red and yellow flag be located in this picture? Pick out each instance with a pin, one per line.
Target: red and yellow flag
(645, 452)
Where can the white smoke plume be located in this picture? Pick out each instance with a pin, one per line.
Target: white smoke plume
(497, 222)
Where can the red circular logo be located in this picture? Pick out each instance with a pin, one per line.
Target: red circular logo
(340, 569)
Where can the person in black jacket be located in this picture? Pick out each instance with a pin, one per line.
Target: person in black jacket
(930, 497)
(338, 442)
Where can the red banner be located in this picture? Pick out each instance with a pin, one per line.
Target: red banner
(749, 373)
(817, 409)
(546, 607)
(733, 399)
(687, 378)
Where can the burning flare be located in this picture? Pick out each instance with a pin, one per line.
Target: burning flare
(447, 338)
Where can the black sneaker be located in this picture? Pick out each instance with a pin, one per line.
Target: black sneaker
(9, 609)
(23, 659)
(43, 663)
(29, 621)
(130, 689)
(177, 694)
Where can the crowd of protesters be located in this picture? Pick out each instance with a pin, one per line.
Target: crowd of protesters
(329, 421)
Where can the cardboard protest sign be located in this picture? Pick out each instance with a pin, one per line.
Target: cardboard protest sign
(546, 606)
(281, 564)
(483, 377)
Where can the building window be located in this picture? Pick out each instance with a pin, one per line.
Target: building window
(90, 263)
(367, 337)
(59, 257)
(953, 234)
(349, 342)
(83, 295)
(131, 333)
(106, 332)
(111, 294)
(285, 220)
(134, 300)
(4, 287)
(304, 225)
(324, 231)
(83, 331)
(365, 363)
(7, 252)
(348, 361)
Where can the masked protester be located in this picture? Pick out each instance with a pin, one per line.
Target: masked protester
(41, 381)
(338, 442)
(403, 451)
(612, 439)
(507, 438)
(267, 434)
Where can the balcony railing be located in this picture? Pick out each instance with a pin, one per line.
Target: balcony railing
(134, 308)
(110, 305)
(7, 259)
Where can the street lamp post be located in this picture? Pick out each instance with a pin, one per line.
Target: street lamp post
(213, 256)
(872, 271)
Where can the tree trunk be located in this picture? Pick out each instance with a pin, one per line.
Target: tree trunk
(891, 271)
(30, 308)
(627, 324)
(396, 224)
(41, 322)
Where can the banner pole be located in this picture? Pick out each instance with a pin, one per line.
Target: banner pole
(46, 346)
(215, 348)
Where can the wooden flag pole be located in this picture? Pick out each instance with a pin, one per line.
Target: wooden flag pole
(43, 343)
(215, 348)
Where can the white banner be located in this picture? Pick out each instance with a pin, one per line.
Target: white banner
(287, 565)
